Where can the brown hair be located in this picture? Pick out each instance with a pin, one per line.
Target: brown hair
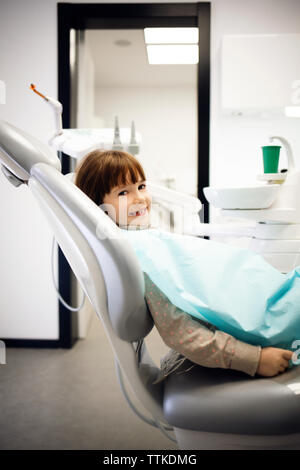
(100, 171)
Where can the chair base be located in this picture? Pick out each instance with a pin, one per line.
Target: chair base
(197, 440)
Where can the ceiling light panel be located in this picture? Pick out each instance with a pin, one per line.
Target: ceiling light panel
(172, 54)
(171, 35)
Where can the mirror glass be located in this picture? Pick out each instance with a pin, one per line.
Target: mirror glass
(116, 79)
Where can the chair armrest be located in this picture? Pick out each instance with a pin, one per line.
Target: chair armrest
(167, 195)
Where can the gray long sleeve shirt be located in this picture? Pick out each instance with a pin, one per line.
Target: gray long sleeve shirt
(196, 340)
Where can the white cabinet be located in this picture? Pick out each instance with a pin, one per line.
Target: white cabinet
(260, 72)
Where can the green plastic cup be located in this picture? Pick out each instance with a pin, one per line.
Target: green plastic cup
(271, 158)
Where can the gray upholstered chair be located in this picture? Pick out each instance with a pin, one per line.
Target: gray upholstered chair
(206, 408)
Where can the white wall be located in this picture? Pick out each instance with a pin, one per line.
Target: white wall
(235, 153)
(28, 305)
(28, 53)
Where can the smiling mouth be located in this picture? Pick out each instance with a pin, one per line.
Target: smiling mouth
(139, 213)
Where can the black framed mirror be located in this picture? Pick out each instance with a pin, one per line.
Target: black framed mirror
(82, 17)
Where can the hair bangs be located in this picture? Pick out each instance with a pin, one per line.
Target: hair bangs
(131, 173)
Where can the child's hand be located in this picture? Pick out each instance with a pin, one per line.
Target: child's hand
(273, 361)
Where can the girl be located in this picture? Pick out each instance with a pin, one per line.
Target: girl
(116, 181)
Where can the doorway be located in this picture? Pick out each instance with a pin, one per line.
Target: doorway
(172, 103)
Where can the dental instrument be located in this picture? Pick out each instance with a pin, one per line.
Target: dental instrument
(133, 146)
(207, 408)
(117, 144)
(57, 108)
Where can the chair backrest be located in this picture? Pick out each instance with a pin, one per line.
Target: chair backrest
(108, 271)
(102, 260)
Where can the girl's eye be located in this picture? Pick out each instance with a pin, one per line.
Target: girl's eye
(123, 193)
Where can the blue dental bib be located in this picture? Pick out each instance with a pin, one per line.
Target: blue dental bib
(232, 288)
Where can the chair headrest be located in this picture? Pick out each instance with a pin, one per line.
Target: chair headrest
(19, 151)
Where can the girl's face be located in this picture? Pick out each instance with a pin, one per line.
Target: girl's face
(129, 205)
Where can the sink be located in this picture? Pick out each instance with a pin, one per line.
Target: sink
(252, 197)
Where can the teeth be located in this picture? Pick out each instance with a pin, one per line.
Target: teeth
(138, 213)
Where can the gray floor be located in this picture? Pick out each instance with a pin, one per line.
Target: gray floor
(70, 399)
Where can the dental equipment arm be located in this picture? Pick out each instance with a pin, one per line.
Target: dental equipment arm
(170, 196)
(57, 108)
(78, 142)
(288, 149)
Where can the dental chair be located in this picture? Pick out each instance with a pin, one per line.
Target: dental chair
(206, 408)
